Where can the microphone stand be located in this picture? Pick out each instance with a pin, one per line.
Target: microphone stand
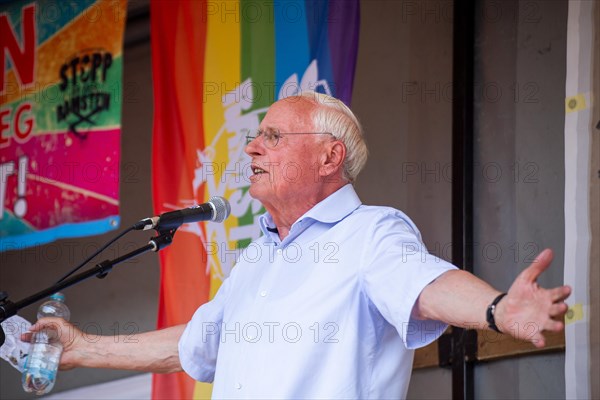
(101, 270)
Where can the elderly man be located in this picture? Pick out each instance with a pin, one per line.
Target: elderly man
(331, 300)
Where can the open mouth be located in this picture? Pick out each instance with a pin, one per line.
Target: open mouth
(258, 171)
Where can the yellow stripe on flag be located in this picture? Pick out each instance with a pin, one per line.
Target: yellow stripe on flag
(222, 74)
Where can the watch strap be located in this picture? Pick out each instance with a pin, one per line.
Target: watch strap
(489, 316)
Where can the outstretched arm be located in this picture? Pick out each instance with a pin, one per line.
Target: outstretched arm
(154, 351)
(461, 299)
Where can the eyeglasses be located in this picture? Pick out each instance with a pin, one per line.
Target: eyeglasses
(271, 137)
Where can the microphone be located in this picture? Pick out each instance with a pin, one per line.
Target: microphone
(216, 209)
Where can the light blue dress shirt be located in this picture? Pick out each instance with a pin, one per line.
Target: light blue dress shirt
(325, 313)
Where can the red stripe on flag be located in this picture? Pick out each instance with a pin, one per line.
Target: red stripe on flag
(178, 32)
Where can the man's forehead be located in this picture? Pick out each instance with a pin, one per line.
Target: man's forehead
(295, 103)
(289, 111)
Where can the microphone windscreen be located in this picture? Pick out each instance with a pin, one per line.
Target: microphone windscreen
(222, 208)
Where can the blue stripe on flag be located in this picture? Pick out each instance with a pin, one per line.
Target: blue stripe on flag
(291, 43)
(317, 13)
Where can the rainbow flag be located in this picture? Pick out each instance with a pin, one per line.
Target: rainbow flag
(217, 67)
(60, 119)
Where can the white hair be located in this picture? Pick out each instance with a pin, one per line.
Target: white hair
(332, 115)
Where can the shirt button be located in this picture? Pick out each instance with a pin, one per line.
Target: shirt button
(238, 386)
(263, 293)
(279, 251)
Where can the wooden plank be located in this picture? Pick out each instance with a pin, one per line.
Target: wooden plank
(492, 346)
(426, 357)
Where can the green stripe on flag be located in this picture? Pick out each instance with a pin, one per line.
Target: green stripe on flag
(258, 50)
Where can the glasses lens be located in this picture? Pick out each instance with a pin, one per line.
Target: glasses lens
(253, 135)
(271, 137)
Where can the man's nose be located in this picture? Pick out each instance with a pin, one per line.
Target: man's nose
(255, 147)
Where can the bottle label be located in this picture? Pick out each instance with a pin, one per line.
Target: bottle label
(40, 368)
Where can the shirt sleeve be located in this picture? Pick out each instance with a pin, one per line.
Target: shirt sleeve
(199, 343)
(395, 269)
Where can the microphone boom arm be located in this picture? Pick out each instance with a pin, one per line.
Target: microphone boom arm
(101, 270)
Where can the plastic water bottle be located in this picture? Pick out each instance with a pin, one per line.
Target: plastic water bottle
(39, 374)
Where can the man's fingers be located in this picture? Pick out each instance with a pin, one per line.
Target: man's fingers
(38, 326)
(56, 326)
(554, 326)
(538, 340)
(46, 322)
(560, 293)
(539, 265)
(26, 337)
(558, 310)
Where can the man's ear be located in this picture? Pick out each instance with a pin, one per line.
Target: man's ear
(333, 160)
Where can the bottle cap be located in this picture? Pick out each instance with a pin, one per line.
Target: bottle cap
(58, 296)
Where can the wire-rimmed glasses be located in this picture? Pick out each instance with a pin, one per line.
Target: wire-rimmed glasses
(271, 136)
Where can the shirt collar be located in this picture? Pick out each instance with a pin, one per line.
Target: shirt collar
(335, 207)
(330, 210)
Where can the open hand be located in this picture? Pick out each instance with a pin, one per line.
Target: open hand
(528, 309)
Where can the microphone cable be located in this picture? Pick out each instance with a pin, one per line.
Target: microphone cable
(100, 250)
(220, 206)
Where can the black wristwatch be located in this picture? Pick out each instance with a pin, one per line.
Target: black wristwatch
(489, 315)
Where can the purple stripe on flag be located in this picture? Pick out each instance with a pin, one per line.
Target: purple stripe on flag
(344, 22)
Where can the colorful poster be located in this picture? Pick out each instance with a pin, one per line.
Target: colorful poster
(60, 119)
(217, 67)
